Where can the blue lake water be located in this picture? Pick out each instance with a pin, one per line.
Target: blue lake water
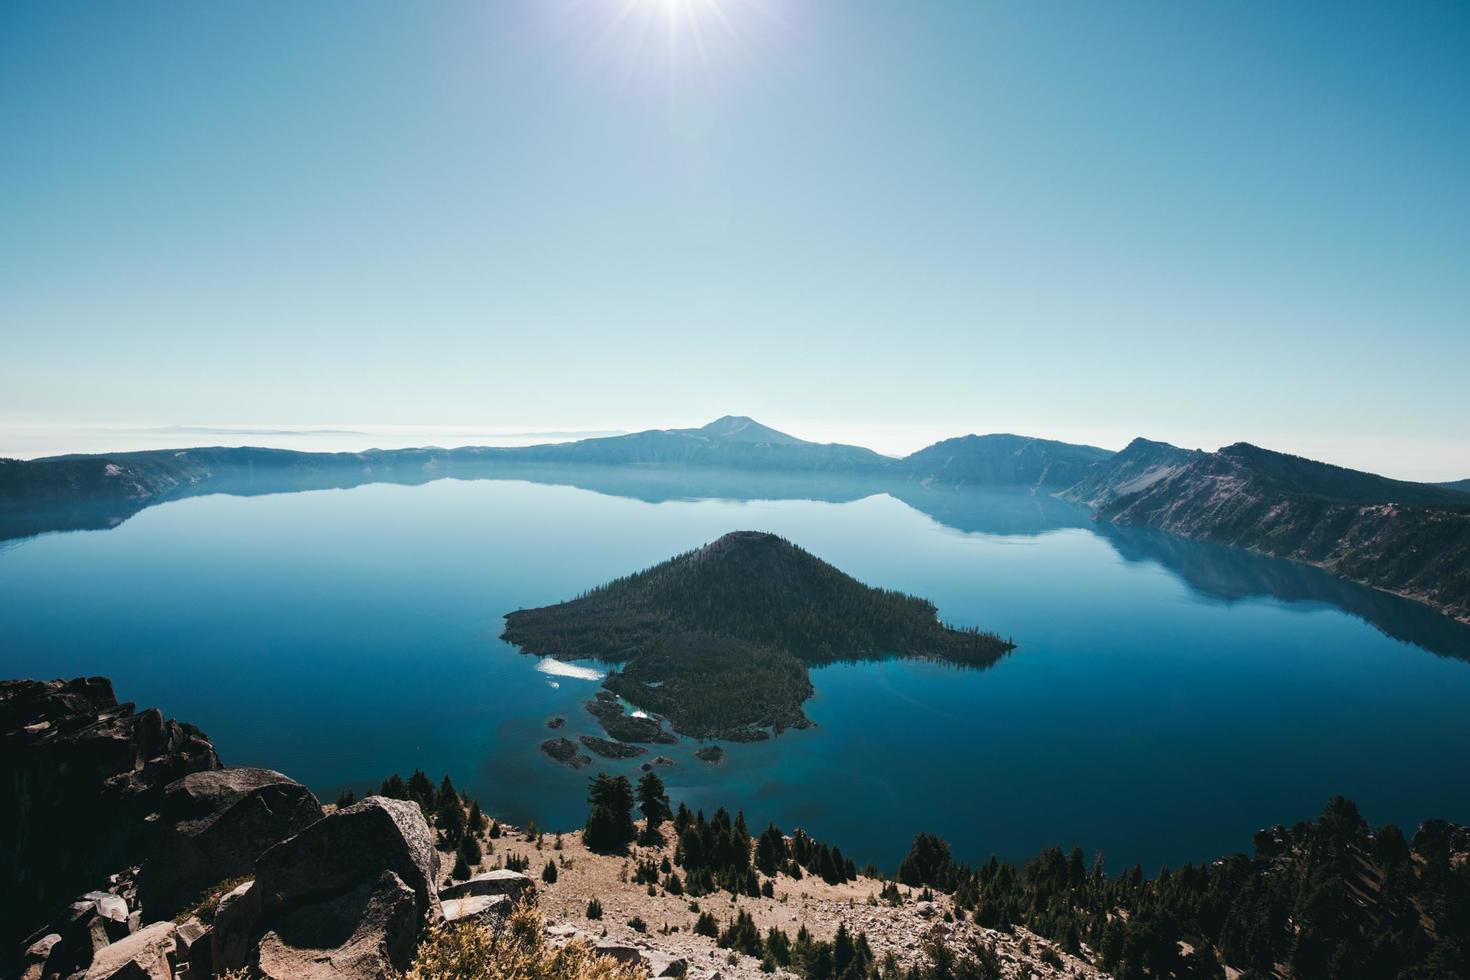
(1165, 698)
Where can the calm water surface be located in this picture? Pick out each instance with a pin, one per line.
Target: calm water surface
(1165, 699)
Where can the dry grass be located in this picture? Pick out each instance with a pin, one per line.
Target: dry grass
(518, 952)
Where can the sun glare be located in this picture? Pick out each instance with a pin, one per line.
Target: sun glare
(684, 35)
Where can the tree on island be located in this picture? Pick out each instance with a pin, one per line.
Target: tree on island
(610, 825)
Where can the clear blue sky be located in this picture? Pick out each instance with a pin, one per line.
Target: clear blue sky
(1202, 222)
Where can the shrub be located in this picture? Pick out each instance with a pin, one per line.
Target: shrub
(741, 935)
(548, 873)
(706, 926)
(637, 924)
(209, 901)
(594, 909)
(519, 952)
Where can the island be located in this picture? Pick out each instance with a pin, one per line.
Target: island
(718, 641)
(564, 750)
(611, 750)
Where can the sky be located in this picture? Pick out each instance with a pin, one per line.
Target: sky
(865, 221)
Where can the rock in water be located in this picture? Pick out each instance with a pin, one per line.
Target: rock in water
(345, 898)
(212, 827)
(81, 773)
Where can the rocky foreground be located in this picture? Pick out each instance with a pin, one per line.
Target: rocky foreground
(131, 852)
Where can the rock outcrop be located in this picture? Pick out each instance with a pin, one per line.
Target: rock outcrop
(345, 898)
(82, 773)
(212, 827)
(147, 953)
(499, 882)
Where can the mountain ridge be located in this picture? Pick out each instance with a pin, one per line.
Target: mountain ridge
(1407, 538)
(1404, 537)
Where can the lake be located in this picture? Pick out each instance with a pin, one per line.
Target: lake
(1165, 699)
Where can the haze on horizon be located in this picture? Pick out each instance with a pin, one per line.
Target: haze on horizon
(857, 221)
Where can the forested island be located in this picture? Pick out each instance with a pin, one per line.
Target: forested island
(718, 640)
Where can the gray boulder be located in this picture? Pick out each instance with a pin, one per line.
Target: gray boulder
(370, 931)
(345, 898)
(144, 954)
(512, 884)
(213, 826)
(666, 965)
(485, 910)
(33, 966)
(622, 952)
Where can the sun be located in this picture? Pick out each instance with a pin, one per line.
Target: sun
(699, 34)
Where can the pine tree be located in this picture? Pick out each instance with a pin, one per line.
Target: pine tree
(653, 801)
(610, 826)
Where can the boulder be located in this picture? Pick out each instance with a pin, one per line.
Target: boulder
(484, 910)
(369, 932)
(33, 966)
(345, 898)
(230, 938)
(666, 965)
(191, 931)
(213, 826)
(498, 882)
(144, 954)
(622, 952)
(81, 932)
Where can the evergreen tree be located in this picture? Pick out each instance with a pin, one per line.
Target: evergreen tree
(610, 826)
(653, 802)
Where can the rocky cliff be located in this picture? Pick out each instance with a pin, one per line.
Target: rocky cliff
(82, 774)
(1409, 538)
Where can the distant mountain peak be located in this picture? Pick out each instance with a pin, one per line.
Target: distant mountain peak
(743, 428)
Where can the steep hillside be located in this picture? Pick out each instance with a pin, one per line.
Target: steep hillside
(1408, 538)
(1137, 466)
(690, 631)
(1002, 460)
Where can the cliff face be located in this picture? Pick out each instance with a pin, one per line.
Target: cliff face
(1135, 468)
(82, 772)
(1406, 538)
